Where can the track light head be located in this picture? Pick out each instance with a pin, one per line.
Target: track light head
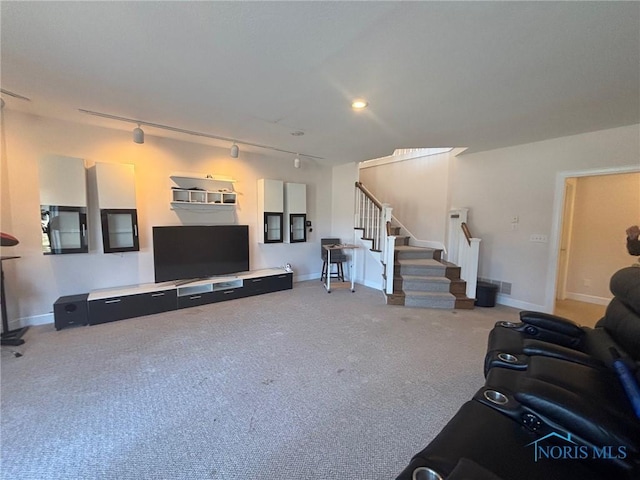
(234, 151)
(138, 135)
(296, 162)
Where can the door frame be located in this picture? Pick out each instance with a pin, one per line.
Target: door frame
(566, 234)
(557, 221)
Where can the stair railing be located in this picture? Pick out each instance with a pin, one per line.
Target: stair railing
(468, 256)
(374, 218)
(370, 217)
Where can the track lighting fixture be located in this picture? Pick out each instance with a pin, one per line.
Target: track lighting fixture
(138, 135)
(296, 162)
(189, 132)
(11, 94)
(234, 150)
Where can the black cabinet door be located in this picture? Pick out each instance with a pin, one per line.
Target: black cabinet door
(195, 299)
(119, 230)
(297, 228)
(283, 281)
(64, 229)
(157, 302)
(273, 228)
(271, 283)
(110, 309)
(117, 308)
(229, 294)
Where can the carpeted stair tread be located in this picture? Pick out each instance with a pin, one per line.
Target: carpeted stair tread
(408, 251)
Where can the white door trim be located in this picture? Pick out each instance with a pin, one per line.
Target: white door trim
(556, 226)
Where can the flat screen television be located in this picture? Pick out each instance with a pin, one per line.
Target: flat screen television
(199, 251)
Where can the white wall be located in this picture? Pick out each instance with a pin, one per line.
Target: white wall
(35, 281)
(523, 181)
(417, 189)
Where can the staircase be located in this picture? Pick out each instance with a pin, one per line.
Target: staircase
(422, 279)
(414, 273)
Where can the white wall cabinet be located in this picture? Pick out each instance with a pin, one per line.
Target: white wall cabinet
(63, 205)
(295, 212)
(270, 211)
(117, 202)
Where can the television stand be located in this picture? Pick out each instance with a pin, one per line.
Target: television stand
(112, 304)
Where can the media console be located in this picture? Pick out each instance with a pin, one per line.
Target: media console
(108, 305)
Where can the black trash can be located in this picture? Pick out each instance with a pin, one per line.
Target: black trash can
(486, 294)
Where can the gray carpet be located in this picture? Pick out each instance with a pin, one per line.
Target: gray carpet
(298, 384)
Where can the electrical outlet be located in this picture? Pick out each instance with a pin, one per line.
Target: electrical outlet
(538, 238)
(587, 282)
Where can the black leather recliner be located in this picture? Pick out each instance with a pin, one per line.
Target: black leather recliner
(551, 388)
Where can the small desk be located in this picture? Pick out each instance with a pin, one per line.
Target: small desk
(342, 246)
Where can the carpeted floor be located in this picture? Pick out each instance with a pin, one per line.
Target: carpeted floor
(298, 384)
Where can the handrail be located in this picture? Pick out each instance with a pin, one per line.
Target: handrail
(368, 194)
(467, 233)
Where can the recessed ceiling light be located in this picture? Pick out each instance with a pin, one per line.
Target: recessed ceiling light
(359, 104)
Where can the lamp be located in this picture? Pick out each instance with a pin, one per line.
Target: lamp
(234, 150)
(138, 135)
(296, 162)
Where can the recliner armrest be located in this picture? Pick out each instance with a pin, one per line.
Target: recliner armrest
(545, 349)
(552, 323)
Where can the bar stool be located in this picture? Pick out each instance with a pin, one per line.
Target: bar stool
(338, 257)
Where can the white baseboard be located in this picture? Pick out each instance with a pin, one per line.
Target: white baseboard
(371, 284)
(581, 297)
(358, 281)
(303, 278)
(510, 302)
(43, 319)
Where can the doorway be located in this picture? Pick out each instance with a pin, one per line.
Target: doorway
(596, 209)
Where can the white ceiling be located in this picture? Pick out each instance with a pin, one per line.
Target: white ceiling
(481, 75)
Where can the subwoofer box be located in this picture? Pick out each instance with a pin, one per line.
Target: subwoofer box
(71, 310)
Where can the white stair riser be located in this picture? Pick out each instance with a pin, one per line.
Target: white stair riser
(424, 271)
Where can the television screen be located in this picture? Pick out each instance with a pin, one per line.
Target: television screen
(199, 251)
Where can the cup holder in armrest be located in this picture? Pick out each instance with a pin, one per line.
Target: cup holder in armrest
(508, 358)
(507, 324)
(425, 473)
(496, 397)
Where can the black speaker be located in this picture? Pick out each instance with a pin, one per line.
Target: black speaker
(71, 310)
